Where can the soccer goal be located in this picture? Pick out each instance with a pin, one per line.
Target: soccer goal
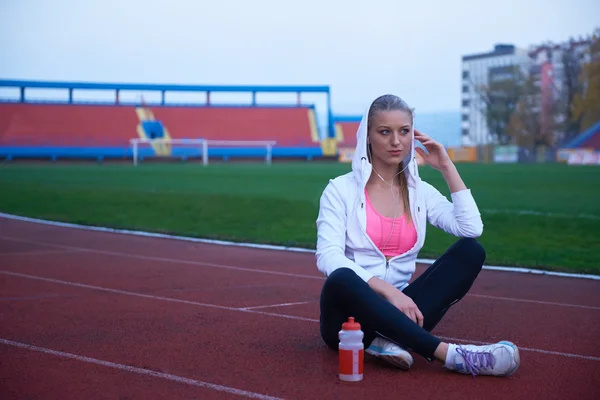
(194, 148)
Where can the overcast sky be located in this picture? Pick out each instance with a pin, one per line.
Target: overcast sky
(360, 48)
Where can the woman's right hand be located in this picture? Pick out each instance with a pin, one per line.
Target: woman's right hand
(398, 299)
(406, 305)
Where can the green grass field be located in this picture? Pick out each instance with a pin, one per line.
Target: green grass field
(540, 216)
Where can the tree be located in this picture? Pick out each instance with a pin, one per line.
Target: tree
(538, 118)
(516, 109)
(501, 97)
(586, 103)
(571, 87)
(525, 125)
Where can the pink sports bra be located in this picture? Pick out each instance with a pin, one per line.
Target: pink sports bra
(402, 239)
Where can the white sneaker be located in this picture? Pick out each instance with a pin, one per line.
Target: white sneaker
(391, 353)
(499, 359)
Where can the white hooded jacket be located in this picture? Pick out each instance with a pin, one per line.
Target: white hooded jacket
(342, 239)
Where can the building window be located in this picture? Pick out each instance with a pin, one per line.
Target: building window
(465, 117)
(465, 74)
(465, 89)
(466, 103)
(465, 131)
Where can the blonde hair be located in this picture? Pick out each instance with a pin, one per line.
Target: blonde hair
(390, 102)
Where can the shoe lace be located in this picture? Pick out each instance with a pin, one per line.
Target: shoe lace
(475, 361)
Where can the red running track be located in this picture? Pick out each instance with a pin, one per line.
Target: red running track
(89, 314)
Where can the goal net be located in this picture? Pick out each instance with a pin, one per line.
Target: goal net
(199, 149)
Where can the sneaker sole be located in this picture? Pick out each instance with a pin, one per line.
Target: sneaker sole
(516, 356)
(396, 361)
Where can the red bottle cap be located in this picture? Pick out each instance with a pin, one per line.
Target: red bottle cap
(351, 325)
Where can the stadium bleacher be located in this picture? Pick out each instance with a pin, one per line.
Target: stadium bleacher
(589, 139)
(76, 129)
(71, 129)
(345, 130)
(66, 125)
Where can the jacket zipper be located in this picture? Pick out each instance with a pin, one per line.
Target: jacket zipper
(415, 224)
(387, 269)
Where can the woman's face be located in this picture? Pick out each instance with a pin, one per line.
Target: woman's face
(389, 136)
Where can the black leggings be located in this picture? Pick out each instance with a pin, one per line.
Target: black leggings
(444, 283)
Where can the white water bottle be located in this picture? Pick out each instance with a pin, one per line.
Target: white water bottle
(351, 351)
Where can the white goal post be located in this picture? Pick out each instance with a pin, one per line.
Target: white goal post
(165, 145)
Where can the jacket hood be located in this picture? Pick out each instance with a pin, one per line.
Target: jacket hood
(361, 165)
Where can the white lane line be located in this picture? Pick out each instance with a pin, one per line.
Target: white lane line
(560, 353)
(542, 351)
(286, 316)
(252, 311)
(233, 287)
(264, 246)
(167, 259)
(551, 303)
(261, 271)
(542, 214)
(147, 296)
(141, 371)
(278, 305)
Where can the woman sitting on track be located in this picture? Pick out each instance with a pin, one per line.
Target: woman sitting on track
(371, 226)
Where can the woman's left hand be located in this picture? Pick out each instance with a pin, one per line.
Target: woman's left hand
(437, 158)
